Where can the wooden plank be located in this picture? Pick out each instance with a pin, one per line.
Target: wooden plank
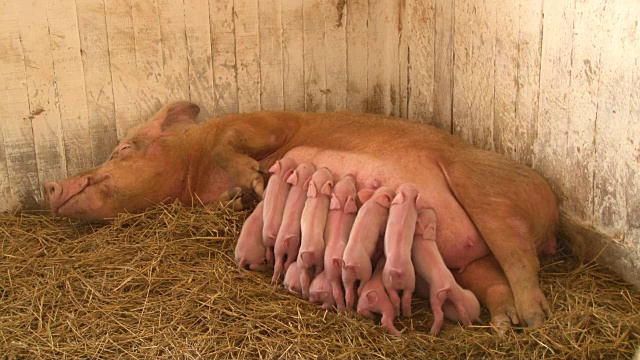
(555, 82)
(315, 76)
(612, 119)
(632, 182)
(69, 77)
(198, 34)
(422, 31)
(403, 58)
(175, 65)
(506, 77)
(94, 50)
(583, 103)
(247, 55)
(124, 73)
(443, 65)
(474, 41)
(223, 43)
(18, 167)
(528, 98)
(45, 122)
(292, 55)
(336, 54)
(270, 29)
(357, 51)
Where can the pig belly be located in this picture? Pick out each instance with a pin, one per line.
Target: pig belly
(458, 239)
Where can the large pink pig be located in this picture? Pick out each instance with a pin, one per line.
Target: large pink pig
(320, 291)
(342, 214)
(443, 291)
(250, 252)
(291, 280)
(374, 299)
(481, 196)
(275, 197)
(399, 274)
(312, 224)
(288, 240)
(368, 228)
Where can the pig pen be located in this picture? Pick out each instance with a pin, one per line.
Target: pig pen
(551, 84)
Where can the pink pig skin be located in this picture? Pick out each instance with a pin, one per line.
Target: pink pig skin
(368, 227)
(444, 293)
(250, 251)
(320, 291)
(374, 299)
(292, 280)
(288, 239)
(399, 273)
(275, 196)
(342, 214)
(312, 223)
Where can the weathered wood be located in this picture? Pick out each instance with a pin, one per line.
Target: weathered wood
(199, 56)
(403, 58)
(422, 21)
(443, 65)
(96, 66)
(474, 42)
(175, 64)
(292, 55)
(632, 148)
(20, 183)
(336, 53)
(271, 81)
(223, 45)
(247, 55)
(357, 51)
(315, 75)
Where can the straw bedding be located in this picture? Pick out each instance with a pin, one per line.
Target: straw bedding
(164, 284)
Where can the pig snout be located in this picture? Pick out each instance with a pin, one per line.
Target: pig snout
(59, 193)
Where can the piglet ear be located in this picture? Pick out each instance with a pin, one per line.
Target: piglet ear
(335, 203)
(399, 199)
(177, 113)
(293, 178)
(350, 206)
(326, 188)
(312, 191)
(305, 186)
(275, 168)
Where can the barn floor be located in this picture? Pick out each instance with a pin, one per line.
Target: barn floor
(164, 284)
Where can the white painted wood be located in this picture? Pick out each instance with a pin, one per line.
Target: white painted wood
(271, 81)
(223, 46)
(175, 63)
(315, 76)
(336, 53)
(422, 21)
(632, 143)
(247, 55)
(357, 53)
(292, 55)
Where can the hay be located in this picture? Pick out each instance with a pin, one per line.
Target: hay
(164, 284)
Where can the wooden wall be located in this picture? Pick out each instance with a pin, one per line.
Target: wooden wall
(552, 84)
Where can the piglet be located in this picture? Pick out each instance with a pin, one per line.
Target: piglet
(320, 291)
(250, 252)
(275, 196)
(399, 274)
(368, 227)
(342, 214)
(288, 239)
(292, 280)
(444, 293)
(374, 299)
(312, 223)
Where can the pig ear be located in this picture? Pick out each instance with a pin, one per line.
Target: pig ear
(335, 203)
(426, 224)
(305, 186)
(399, 199)
(288, 174)
(350, 206)
(312, 191)
(365, 194)
(293, 178)
(326, 188)
(181, 112)
(383, 199)
(275, 168)
(372, 297)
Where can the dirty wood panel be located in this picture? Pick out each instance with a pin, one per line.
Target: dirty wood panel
(583, 104)
(94, 50)
(247, 55)
(357, 52)
(175, 64)
(612, 119)
(632, 148)
(383, 67)
(292, 55)
(443, 64)
(422, 21)
(336, 54)
(223, 46)
(20, 183)
(124, 74)
(271, 83)
(72, 101)
(403, 58)
(555, 82)
(315, 75)
(527, 101)
(198, 34)
(474, 42)
(42, 94)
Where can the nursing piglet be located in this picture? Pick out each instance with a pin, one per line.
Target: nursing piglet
(342, 214)
(399, 274)
(374, 299)
(291, 280)
(444, 293)
(320, 291)
(368, 227)
(288, 239)
(249, 251)
(275, 196)
(312, 223)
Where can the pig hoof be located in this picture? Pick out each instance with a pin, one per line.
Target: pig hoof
(533, 310)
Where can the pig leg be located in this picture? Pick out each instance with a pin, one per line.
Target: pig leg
(374, 299)
(249, 251)
(246, 172)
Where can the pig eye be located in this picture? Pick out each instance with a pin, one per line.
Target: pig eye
(119, 151)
